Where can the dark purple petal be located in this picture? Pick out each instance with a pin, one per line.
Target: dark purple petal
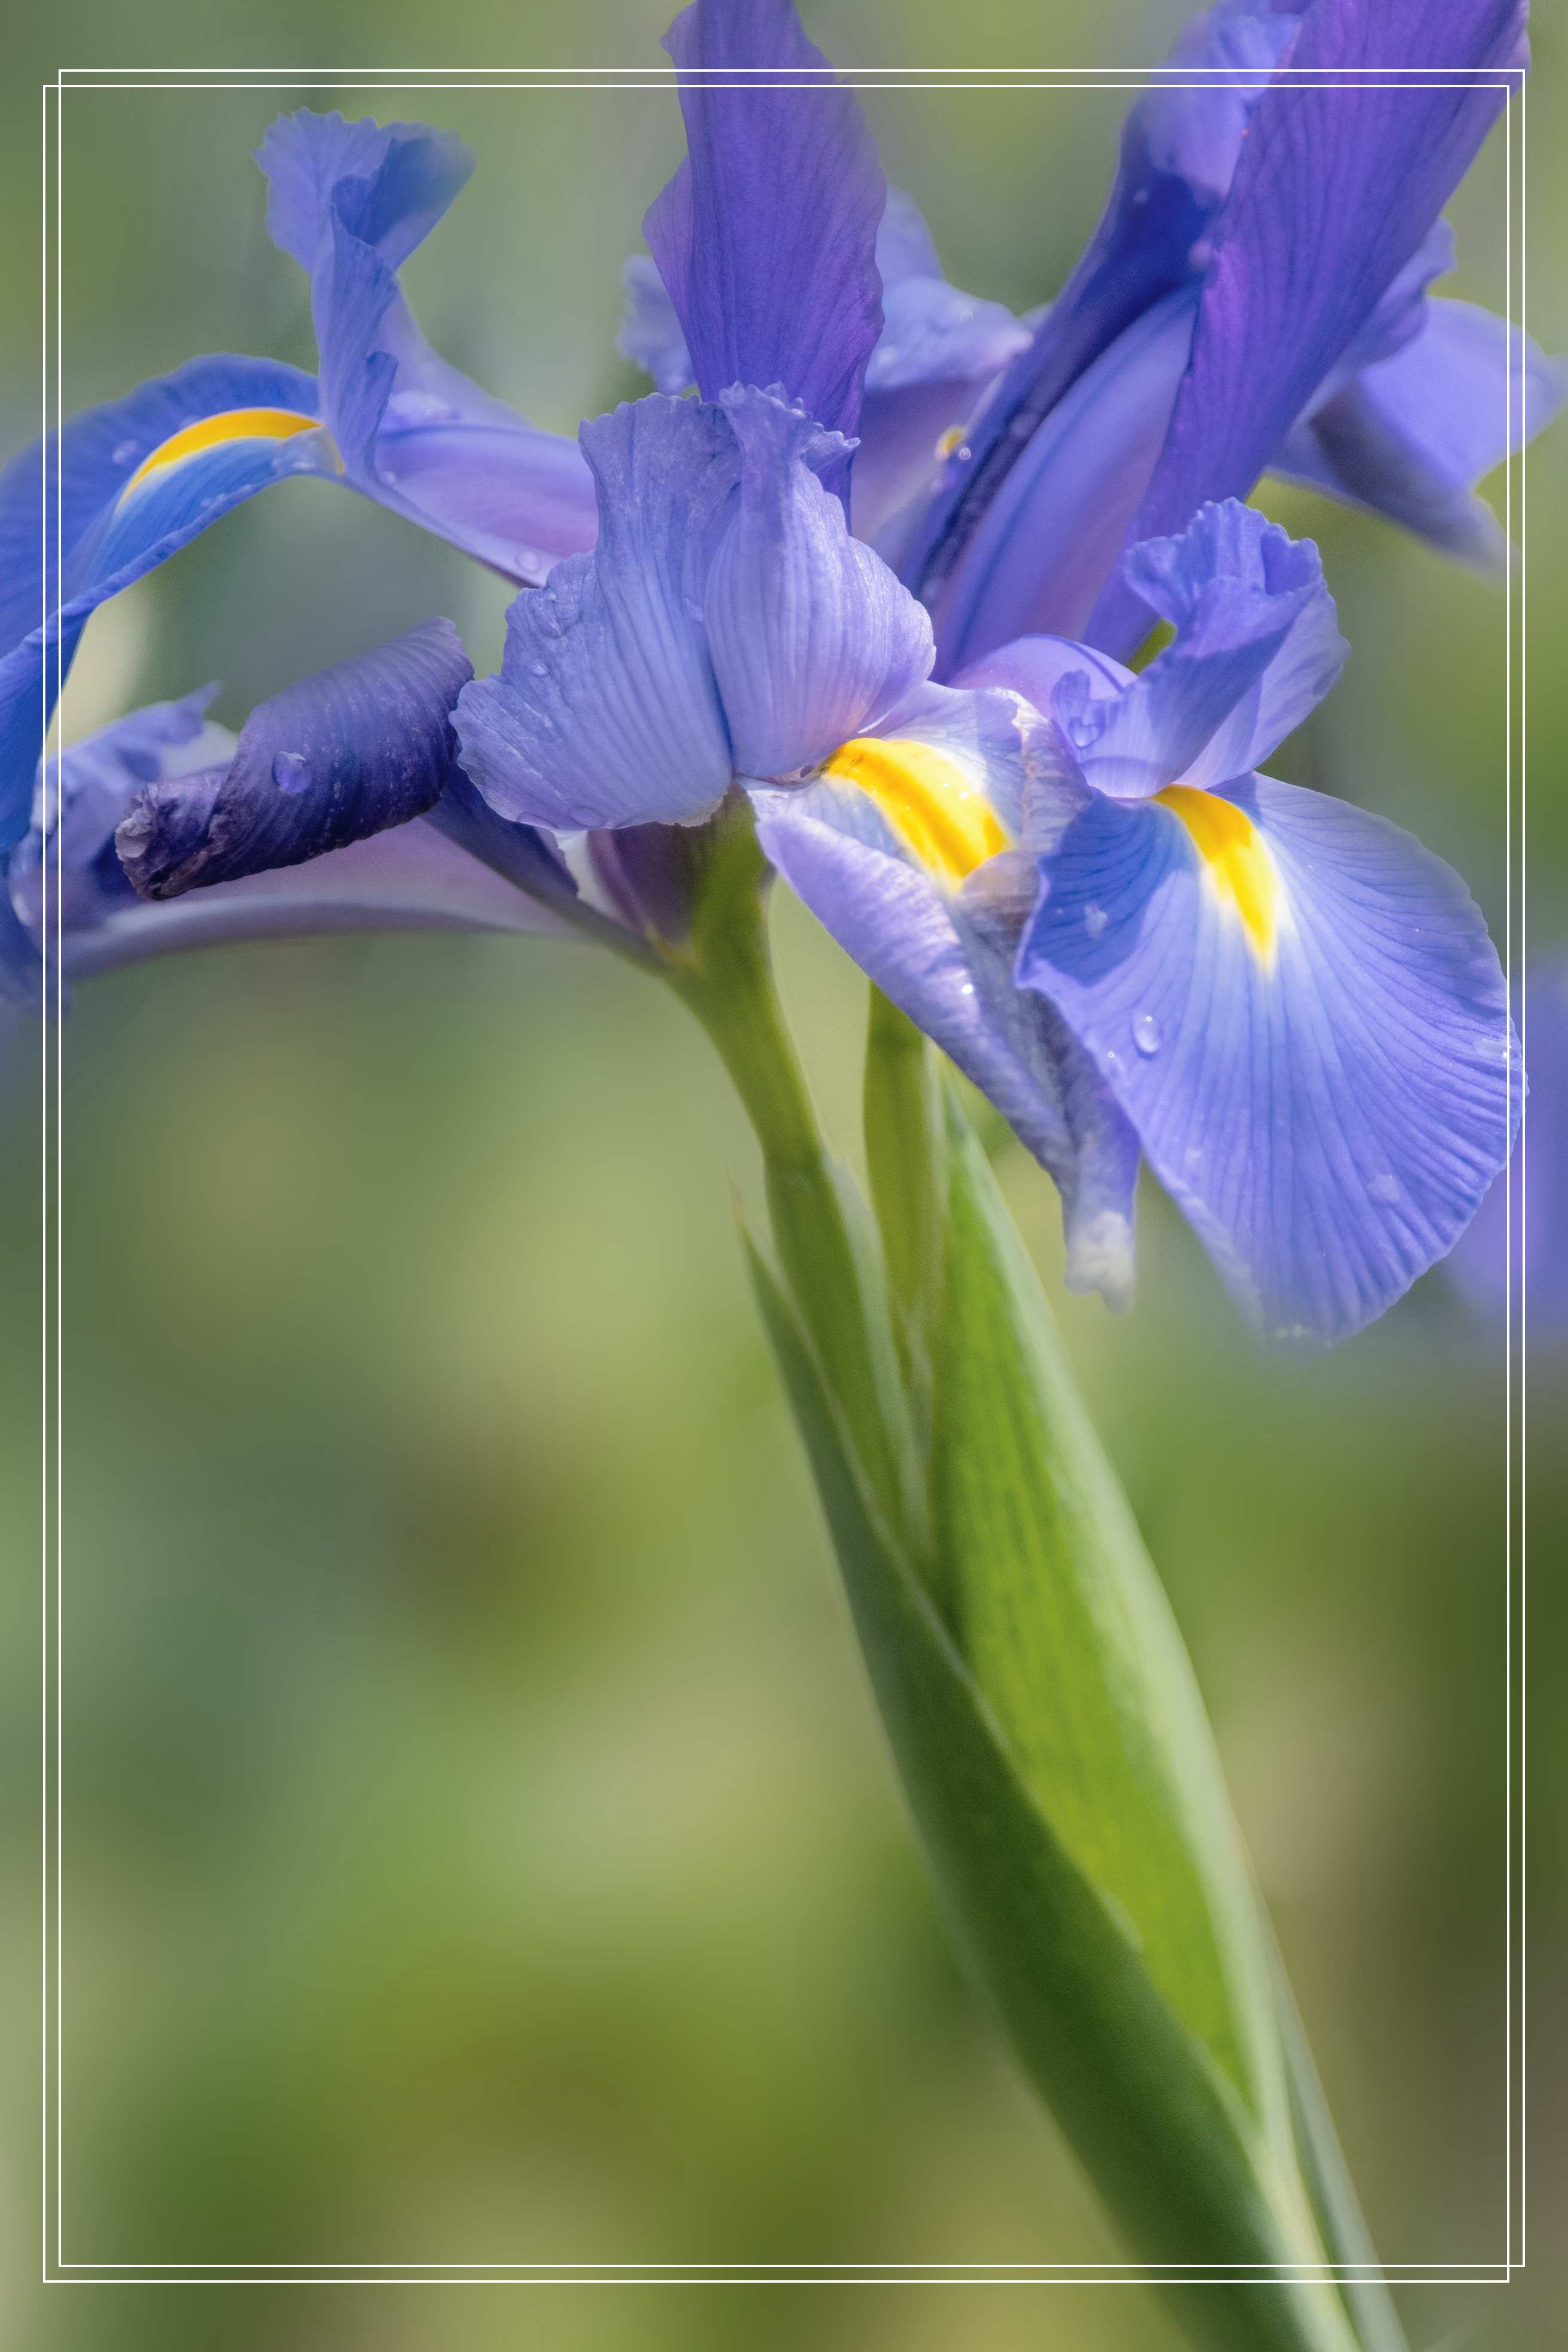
(341, 755)
(1346, 169)
(765, 237)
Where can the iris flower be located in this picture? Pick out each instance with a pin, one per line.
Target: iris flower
(1072, 877)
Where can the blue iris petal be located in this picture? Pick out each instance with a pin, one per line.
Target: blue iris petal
(1179, 153)
(1256, 648)
(216, 431)
(604, 710)
(1329, 1113)
(347, 753)
(1413, 434)
(765, 235)
(948, 966)
(349, 201)
(811, 638)
(1339, 181)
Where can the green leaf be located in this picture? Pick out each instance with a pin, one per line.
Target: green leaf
(1157, 2124)
(1045, 1585)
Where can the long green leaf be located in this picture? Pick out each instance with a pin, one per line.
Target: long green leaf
(1161, 2129)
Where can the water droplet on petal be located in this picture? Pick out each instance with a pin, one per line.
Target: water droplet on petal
(1384, 1188)
(539, 669)
(1095, 919)
(291, 772)
(123, 452)
(1146, 1033)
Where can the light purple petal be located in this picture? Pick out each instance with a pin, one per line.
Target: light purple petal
(1411, 437)
(604, 710)
(813, 639)
(351, 201)
(951, 974)
(1329, 1112)
(1255, 649)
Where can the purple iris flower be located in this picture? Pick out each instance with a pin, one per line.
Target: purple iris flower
(132, 482)
(1073, 879)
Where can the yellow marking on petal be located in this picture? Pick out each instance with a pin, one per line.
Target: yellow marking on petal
(210, 432)
(1235, 861)
(945, 817)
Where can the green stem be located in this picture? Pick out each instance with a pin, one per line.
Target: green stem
(827, 1247)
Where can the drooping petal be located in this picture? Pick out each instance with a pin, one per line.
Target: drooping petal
(605, 709)
(71, 899)
(949, 969)
(765, 237)
(411, 879)
(1255, 649)
(347, 753)
(1179, 151)
(1347, 165)
(349, 201)
(120, 489)
(1301, 1012)
(813, 639)
(1411, 437)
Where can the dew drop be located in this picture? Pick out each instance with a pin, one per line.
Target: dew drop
(1095, 919)
(1146, 1034)
(539, 669)
(888, 353)
(123, 452)
(291, 772)
(1383, 1189)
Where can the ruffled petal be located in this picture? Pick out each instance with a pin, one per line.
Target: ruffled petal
(1179, 153)
(1341, 179)
(813, 639)
(1301, 1012)
(765, 237)
(1255, 649)
(949, 969)
(605, 709)
(347, 753)
(349, 201)
(1410, 436)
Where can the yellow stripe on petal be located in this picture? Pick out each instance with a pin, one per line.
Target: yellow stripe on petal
(212, 432)
(1236, 862)
(942, 815)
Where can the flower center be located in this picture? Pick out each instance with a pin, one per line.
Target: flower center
(1236, 863)
(945, 817)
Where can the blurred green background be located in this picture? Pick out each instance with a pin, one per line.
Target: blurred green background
(478, 1843)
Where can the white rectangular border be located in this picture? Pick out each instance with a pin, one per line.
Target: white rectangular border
(55, 2270)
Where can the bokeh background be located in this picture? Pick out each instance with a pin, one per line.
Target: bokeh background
(478, 1843)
